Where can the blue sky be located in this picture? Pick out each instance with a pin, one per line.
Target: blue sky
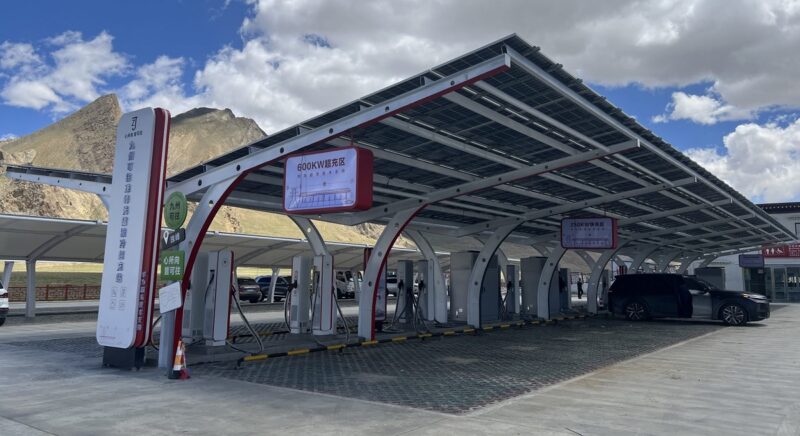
(191, 29)
(716, 83)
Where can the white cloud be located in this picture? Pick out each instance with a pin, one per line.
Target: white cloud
(281, 76)
(303, 57)
(29, 93)
(158, 85)
(762, 162)
(702, 109)
(8, 137)
(78, 71)
(18, 56)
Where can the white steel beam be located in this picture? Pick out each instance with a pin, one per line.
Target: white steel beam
(556, 210)
(595, 278)
(568, 93)
(489, 182)
(374, 269)
(437, 291)
(30, 294)
(642, 255)
(549, 274)
(479, 270)
(647, 217)
(334, 129)
(101, 189)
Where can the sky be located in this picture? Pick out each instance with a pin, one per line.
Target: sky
(715, 78)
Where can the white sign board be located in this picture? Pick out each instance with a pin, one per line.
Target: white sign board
(134, 217)
(169, 297)
(598, 233)
(330, 181)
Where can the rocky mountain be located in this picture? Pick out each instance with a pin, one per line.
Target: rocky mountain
(84, 141)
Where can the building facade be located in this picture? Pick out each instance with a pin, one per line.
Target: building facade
(779, 278)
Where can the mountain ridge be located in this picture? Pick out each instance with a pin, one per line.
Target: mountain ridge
(84, 141)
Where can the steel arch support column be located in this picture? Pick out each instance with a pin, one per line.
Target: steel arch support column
(311, 233)
(707, 261)
(7, 268)
(586, 258)
(30, 295)
(549, 274)
(325, 301)
(437, 292)
(662, 264)
(106, 200)
(641, 256)
(374, 270)
(479, 270)
(594, 278)
(172, 321)
(686, 262)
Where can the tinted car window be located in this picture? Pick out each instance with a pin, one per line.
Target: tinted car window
(697, 285)
(247, 282)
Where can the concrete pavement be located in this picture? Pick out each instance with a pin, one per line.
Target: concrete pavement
(730, 381)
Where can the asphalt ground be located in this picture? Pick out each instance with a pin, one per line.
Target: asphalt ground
(595, 376)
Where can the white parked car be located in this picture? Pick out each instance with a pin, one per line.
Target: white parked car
(3, 304)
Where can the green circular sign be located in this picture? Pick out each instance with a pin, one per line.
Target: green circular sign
(175, 210)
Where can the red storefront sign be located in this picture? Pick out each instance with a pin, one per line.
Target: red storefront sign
(788, 250)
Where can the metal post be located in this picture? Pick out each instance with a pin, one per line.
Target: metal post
(641, 256)
(374, 270)
(436, 290)
(325, 302)
(7, 268)
(273, 281)
(595, 278)
(479, 270)
(686, 262)
(30, 296)
(549, 275)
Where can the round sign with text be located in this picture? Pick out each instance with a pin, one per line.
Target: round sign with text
(175, 210)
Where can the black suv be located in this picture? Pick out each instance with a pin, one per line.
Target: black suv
(643, 296)
(281, 286)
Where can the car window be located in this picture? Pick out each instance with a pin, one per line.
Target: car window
(247, 282)
(264, 280)
(697, 285)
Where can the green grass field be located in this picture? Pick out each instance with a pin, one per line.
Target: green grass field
(57, 278)
(66, 273)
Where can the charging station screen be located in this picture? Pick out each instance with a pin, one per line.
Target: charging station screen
(331, 181)
(589, 233)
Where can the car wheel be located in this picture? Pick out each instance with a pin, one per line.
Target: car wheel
(636, 311)
(2, 320)
(254, 300)
(733, 314)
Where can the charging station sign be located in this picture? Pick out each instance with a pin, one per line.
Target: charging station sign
(132, 239)
(338, 180)
(598, 233)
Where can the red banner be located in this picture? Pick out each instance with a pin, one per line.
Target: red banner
(790, 250)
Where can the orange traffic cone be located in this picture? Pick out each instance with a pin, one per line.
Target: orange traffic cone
(179, 370)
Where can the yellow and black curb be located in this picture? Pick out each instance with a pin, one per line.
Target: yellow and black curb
(401, 339)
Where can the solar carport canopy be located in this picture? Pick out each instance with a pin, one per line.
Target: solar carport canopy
(526, 145)
(530, 114)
